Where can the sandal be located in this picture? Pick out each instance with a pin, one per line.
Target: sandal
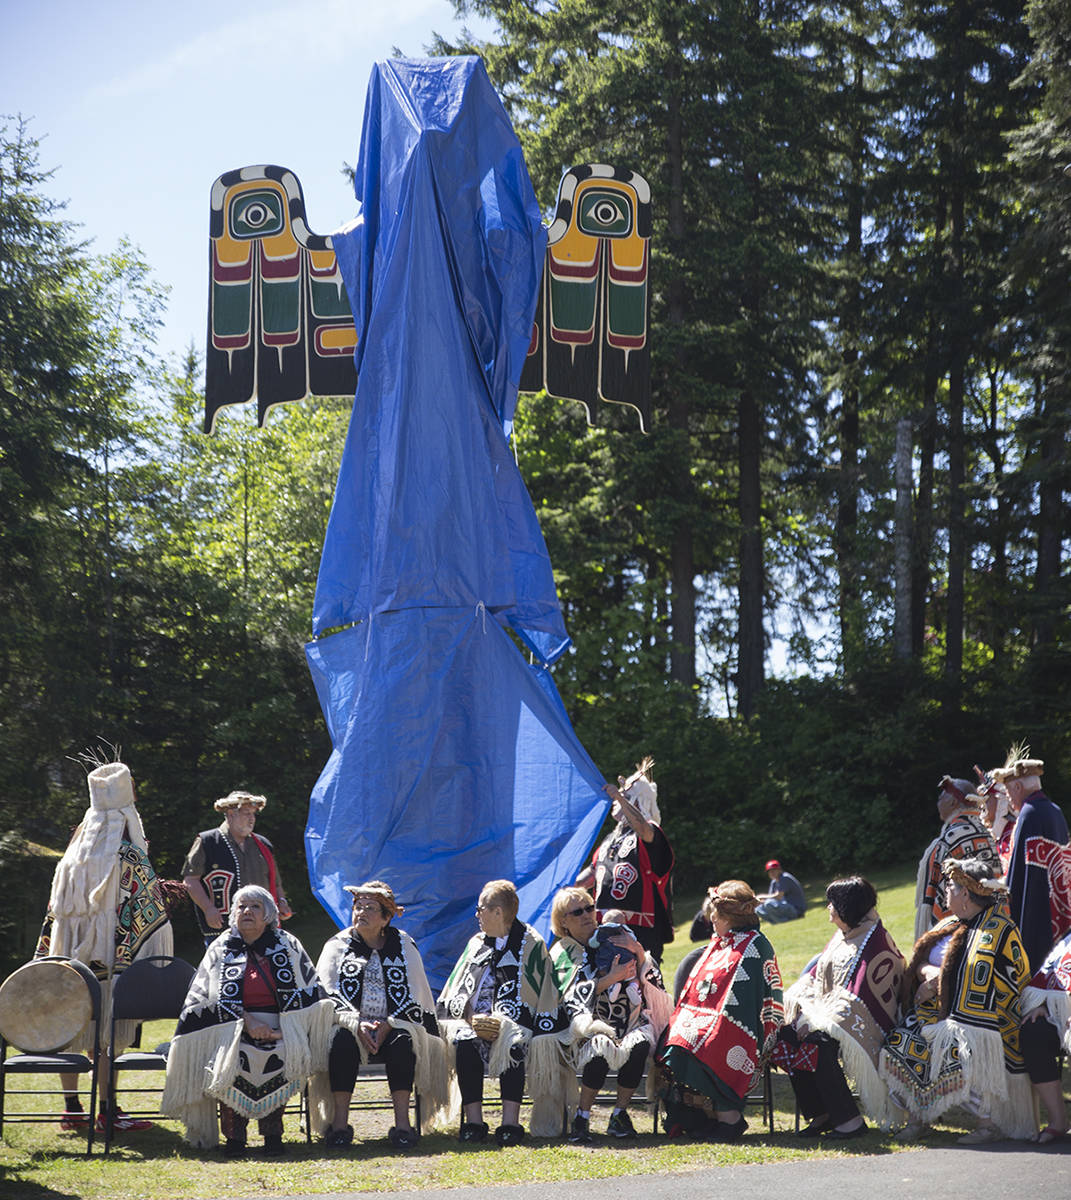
(1048, 1135)
(912, 1131)
(982, 1136)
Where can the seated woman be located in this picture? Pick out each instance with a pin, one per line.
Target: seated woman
(1047, 1019)
(499, 1009)
(958, 1041)
(253, 1029)
(725, 1023)
(385, 1013)
(842, 1008)
(616, 1023)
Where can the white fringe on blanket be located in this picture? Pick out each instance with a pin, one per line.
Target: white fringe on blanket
(824, 1015)
(981, 1059)
(430, 1079)
(207, 1061)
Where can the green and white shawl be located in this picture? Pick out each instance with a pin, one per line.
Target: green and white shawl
(526, 1001)
(604, 1029)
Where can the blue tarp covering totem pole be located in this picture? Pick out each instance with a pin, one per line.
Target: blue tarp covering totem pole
(453, 759)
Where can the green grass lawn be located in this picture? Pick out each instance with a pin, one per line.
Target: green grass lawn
(38, 1161)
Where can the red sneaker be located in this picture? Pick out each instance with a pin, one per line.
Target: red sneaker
(122, 1123)
(73, 1121)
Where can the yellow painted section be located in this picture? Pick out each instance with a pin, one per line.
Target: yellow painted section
(576, 246)
(626, 252)
(322, 260)
(231, 251)
(343, 338)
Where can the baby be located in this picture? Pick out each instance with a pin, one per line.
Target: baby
(613, 925)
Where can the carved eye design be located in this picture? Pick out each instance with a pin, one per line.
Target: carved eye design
(256, 214)
(605, 213)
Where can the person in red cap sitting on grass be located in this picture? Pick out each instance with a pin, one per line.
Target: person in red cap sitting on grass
(785, 900)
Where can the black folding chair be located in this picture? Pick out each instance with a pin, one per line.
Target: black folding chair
(77, 989)
(150, 989)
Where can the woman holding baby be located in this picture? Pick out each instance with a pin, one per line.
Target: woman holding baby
(612, 991)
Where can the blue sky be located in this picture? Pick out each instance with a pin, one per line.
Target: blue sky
(140, 105)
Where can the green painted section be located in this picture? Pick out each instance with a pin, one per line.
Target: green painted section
(282, 306)
(604, 214)
(328, 300)
(230, 310)
(257, 214)
(628, 310)
(572, 305)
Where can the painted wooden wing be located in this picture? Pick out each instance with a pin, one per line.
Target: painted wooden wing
(279, 321)
(590, 342)
(280, 325)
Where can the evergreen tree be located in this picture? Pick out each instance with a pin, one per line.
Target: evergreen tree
(713, 106)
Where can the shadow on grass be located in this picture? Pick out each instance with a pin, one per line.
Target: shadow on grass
(13, 1183)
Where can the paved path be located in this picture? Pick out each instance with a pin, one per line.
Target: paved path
(981, 1173)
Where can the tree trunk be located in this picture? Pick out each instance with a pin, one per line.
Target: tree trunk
(852, 626)
(751, 643)
(920, 566)
(1050, 515)
(902, 542)
(682, 555)
(957, 525)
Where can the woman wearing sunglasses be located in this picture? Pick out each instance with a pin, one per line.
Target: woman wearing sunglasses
(617, 1012)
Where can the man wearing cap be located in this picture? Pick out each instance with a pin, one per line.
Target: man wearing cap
(963, 835)
(785, 900)
(1039, 870)
(224, 859)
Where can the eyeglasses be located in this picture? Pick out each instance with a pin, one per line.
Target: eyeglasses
(487, 907)
(580, 912)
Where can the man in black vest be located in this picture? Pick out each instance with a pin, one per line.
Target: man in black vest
(224, 859)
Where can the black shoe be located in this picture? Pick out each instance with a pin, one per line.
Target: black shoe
(234, 1148)
(620, 1126)
(816, 1127)
(843, 1135)
(273, 1145)
(580, 1134)
(335, 1138)
(509, 1135)
(402, 1139)
(726, 1132)
(473, 1131)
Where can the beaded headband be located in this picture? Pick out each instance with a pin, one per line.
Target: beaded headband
(989, 888)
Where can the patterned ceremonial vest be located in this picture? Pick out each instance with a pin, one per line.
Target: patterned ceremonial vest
(223, 876)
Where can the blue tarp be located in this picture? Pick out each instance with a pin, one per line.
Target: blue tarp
(453, 759)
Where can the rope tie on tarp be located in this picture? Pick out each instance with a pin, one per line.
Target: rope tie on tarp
(481, 611)
(368, 638)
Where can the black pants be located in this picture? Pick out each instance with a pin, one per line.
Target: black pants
(396, 1054)
(235, 1127)
(470, 1073)
(823, 1090)
(1040, 1042)
(629, 1076)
